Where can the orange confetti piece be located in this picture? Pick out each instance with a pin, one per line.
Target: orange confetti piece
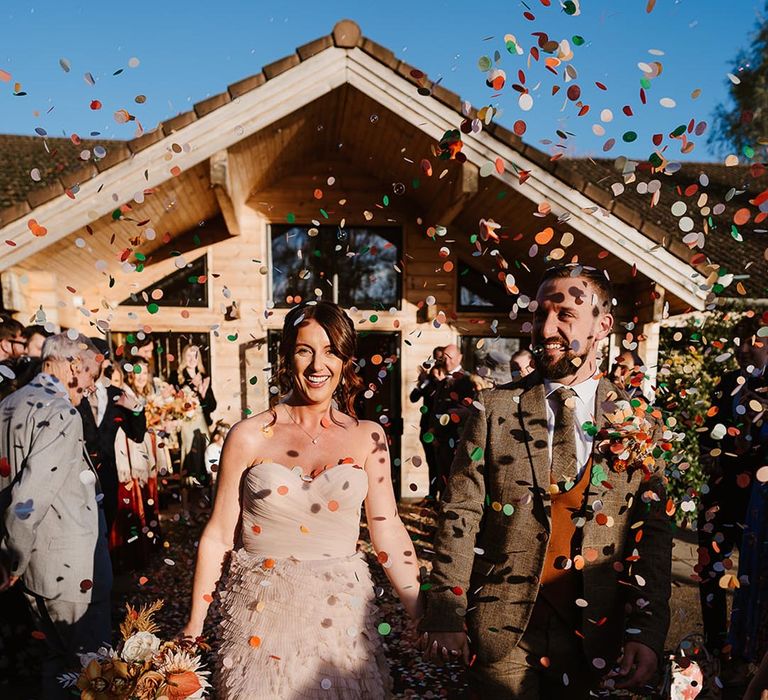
(5, 76)
(269, 563)
(376, 359)
(143, 580)
(256, 529)
(545, 236)
(175, 171)
(742, 216)
(448, 266)
(208, 598)
(499, 166)
(37, 229)
(318, 193)
(333, 506)
(37, 634)
(282, 490)
(255, 641)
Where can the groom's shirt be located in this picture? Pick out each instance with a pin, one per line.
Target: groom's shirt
(584, 411)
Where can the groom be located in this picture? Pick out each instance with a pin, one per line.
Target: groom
(552, 570)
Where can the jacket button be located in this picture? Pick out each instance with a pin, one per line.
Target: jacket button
(533, 579)
(543, 536)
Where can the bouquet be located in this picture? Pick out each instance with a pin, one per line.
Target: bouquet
(187, 403)
(627, 437)
(168, 405)
(143, 667)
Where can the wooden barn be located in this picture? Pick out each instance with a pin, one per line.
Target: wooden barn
(324, 176)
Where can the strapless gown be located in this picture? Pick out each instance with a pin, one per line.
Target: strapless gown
(298, 606)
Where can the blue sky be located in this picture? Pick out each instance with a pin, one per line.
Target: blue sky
(187, 51)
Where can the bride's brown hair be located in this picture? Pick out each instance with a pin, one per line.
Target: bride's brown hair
(341, 332)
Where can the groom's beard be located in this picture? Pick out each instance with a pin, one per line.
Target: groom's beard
(561, 366)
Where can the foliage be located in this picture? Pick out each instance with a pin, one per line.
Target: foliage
(744, 125)
(691, 361)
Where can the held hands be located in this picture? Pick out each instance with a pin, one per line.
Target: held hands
(444, 646)
(637, 666)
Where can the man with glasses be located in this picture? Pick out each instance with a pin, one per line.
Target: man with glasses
(13, 346)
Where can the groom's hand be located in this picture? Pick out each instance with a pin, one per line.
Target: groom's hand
(445, 646)
(638, 665)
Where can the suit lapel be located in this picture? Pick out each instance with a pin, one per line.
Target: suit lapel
(532, 412)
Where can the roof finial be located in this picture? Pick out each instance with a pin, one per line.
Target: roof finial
(346, 34)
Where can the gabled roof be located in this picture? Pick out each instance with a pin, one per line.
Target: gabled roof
(345, 56)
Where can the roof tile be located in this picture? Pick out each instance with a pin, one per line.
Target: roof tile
(347, 34)
(117, 151)
(246, 85)
(146, 140)
(312, 48)
(272, 70)
(178, 122)
(210, 104)
(80, 175)
(45, 194)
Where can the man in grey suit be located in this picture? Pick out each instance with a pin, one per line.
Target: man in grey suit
(552, 561)
(52, 526)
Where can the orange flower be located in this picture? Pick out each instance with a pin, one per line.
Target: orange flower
(181, 685)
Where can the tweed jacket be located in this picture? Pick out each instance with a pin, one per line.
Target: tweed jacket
(52, 527)
(494, 524)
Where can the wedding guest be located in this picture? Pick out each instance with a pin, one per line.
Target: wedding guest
(13, 345)
(53, 527)
(730, 458)
(191, 375)
(430, 376)
(136, 530)
(35, 336)
(521, 364)
(628, 372)
(451, 408)
(552, 564)
(213, 453)
(298, 605)
(103, 412)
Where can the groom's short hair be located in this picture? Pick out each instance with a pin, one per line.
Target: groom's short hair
(598, 279)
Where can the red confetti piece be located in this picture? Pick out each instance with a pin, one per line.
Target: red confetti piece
(95, 104)
(5, 467)
(601, 86)
(627, 110)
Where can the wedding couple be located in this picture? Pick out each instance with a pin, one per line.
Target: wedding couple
(551, 574)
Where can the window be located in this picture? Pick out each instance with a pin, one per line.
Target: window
(185, 287)
(353, 266)
(489, 357)
(479, 292)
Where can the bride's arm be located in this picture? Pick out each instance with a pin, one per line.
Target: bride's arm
(389, 537)
(218, 537)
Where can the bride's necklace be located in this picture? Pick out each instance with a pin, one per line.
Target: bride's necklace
(308, 434)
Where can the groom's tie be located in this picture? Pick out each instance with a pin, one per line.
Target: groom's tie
(564, 437)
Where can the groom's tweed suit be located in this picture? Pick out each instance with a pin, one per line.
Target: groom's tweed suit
(488, 564)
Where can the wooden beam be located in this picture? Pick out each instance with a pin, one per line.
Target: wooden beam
(465, 186)
(222, 187)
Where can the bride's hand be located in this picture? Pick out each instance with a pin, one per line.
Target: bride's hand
(190, 631)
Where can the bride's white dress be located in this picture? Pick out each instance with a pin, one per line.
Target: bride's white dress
(298, 607)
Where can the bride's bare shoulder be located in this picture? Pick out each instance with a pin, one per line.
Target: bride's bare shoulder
(252, 431)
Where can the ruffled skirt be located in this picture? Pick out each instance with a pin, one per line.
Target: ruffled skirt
(300, 629)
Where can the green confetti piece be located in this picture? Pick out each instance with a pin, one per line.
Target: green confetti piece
(735, 233)
(415, 183)
(578, 40)
(385, 200)
(141, 256)
(253, 380)
(324, 213)
(117, 214)
(384, 629)
(477, 454)
(508, 509)
(232, 338)
(645, 83)
(248, 411)
(484, 63)
(373, 318)
(140, 267)
(629, 136)
(749, 152)
(428, 437)
(290, 217)
(511, 47)
(425, 587)
(153, 308)
(569, 7)
(589, 428)
(679, 131)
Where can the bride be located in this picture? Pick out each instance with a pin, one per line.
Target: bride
(298, 606)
